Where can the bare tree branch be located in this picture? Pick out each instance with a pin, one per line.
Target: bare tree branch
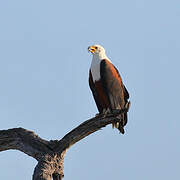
(23, 140)
(50, 154)
(86, 128)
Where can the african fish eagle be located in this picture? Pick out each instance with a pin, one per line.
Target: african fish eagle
(106, 85)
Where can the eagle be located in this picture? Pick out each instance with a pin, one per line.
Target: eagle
(107, 87)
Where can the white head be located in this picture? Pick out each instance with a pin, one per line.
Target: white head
(97, 51)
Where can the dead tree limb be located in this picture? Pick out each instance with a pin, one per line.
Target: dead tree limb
(50, 154)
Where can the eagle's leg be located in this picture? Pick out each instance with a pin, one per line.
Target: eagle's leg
(106, 111)
(98, 114)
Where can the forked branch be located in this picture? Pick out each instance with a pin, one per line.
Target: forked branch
(50, 154)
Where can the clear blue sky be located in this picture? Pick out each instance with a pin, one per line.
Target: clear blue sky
(44, 67)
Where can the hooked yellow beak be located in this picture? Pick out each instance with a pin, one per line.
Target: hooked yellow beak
(92, 49)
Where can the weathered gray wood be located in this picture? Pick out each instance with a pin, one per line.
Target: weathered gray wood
(25, 141)
(50, 154)
(86, 128)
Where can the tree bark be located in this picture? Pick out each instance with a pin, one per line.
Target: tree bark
(50, 154)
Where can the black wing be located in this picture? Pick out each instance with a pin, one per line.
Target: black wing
(115, 90)
(113, 86)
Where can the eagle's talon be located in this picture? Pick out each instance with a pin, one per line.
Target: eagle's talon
(98, 114)
(106, 112)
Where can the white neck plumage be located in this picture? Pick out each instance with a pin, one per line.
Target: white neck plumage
(95, 65)
(100, 56)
